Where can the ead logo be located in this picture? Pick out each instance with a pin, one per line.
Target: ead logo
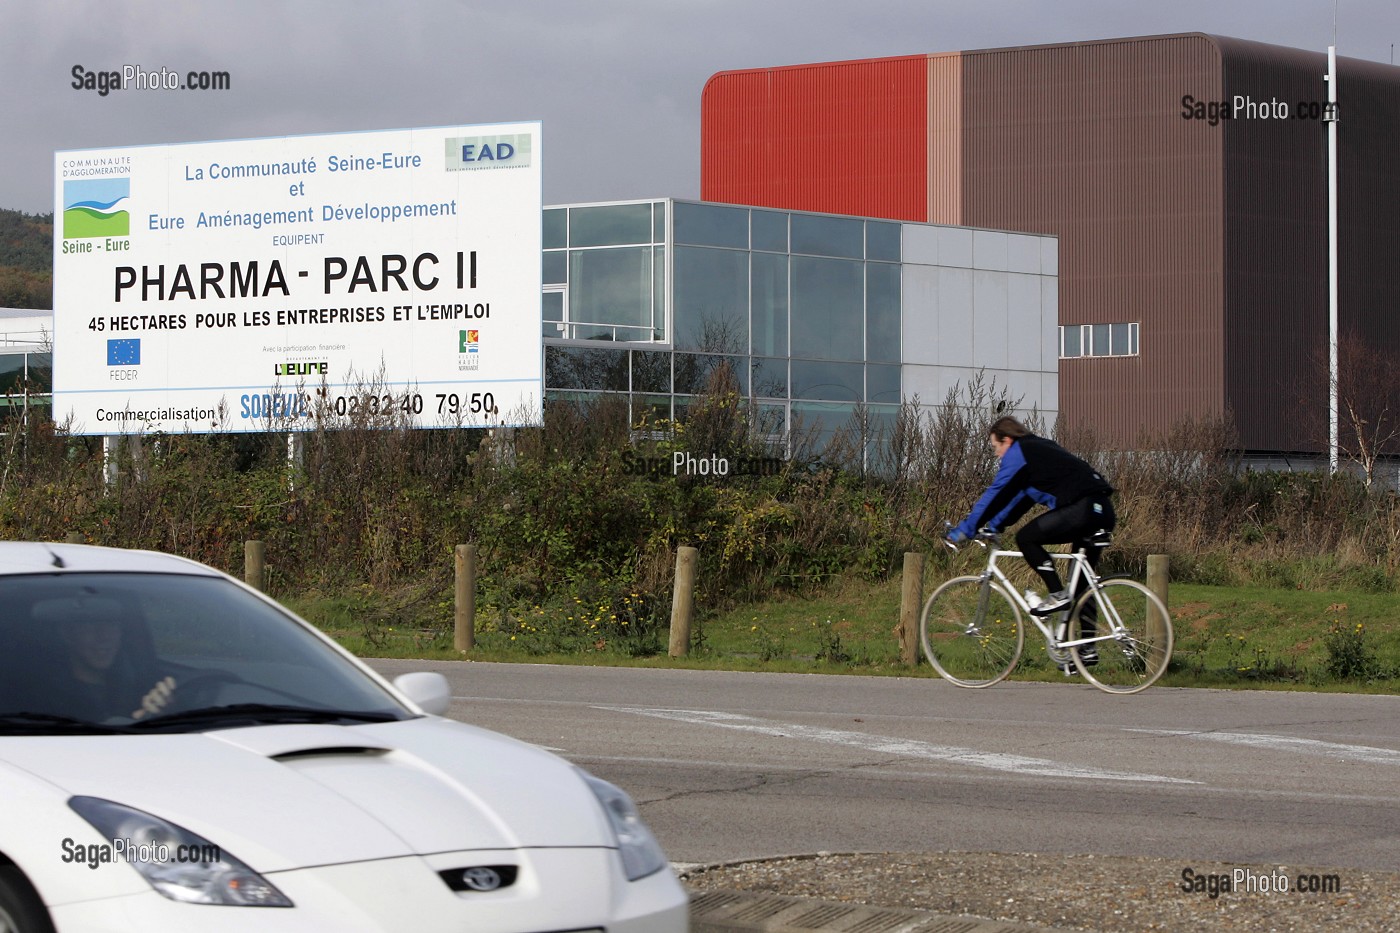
(469, 153)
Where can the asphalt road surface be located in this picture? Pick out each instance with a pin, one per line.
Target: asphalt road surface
(728, 766)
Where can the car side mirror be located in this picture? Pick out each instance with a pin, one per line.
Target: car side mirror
(430, 691)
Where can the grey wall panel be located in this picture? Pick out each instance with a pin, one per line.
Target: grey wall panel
(954, 345)
(1025, 333)
(920, 285)
(1023, 253)
(919, 244)
(955, 247)
(991, 326)
(989, 250)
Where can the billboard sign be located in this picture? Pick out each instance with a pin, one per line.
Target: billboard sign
(252, 284)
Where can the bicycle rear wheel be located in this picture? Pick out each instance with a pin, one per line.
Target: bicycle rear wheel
(971, 632)
(1140, 645)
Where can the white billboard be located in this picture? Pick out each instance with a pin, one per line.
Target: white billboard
(250, 284)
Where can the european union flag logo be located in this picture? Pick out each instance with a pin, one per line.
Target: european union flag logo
(125, 352)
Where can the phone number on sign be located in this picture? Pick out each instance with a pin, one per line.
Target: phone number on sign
(303, 405)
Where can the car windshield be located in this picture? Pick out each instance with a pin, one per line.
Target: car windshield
(136, 652)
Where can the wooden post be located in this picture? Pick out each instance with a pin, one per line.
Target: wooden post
(911, 603)
(1157, 582)
(464, 618)
(253, 564)
(683, 601)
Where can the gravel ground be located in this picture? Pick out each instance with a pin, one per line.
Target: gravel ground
(1104, 893)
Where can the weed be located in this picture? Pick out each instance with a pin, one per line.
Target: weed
(1349, 657)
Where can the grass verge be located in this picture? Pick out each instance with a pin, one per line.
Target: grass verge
(1230, 637)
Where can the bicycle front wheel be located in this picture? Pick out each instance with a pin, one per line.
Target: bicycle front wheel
(1135, 633)
(971, 632)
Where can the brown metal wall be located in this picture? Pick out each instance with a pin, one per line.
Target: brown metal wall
(1276, 236)
(945, 139)
(1087, 141)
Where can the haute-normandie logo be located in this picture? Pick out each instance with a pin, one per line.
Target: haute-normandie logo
(96, 207)
(468, 350)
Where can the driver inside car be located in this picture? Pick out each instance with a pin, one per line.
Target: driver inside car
(98, 679)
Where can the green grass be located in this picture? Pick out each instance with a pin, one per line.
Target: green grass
(1227, 637)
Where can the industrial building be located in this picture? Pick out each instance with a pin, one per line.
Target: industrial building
(1184, 176)
(817, 315)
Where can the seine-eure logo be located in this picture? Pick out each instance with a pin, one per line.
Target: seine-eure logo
(96, 207)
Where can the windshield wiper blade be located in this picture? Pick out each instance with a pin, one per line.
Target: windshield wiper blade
(24, 722)
(261, 713)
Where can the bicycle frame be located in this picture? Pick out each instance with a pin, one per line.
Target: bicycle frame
(1081, 570)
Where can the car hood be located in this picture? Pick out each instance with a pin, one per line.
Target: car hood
(280, 797)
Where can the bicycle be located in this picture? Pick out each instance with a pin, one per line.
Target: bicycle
(1117, 634)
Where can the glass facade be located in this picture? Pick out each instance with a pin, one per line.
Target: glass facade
(26, 375)
(802, 310)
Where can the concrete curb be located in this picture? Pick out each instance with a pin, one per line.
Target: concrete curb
(742, 912)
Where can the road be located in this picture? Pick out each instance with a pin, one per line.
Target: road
(729, 766)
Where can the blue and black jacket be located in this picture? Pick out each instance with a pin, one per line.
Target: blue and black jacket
(1033, 471)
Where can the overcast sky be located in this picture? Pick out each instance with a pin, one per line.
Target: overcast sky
(616, 82)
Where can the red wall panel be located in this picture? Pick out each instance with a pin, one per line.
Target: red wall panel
(840, 137)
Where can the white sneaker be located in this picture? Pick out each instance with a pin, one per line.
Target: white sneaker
(1052, 604)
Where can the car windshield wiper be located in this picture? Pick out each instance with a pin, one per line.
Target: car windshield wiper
(256, 713)
(52, 724)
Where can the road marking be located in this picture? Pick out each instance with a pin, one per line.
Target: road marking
(903, 748)
(1363, 753)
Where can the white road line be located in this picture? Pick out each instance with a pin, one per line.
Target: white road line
(903, 748)
(1364, 753)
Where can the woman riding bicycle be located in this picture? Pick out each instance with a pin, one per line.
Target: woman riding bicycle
(1037, 470)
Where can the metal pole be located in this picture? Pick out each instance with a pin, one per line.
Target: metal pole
(1332, 376)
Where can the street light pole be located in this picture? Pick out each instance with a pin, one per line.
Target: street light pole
(1331, 117)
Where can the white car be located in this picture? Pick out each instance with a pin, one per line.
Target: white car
(179, 752)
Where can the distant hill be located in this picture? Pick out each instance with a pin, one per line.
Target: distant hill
(26, 260)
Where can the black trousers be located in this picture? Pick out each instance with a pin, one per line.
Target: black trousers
(1073, 523)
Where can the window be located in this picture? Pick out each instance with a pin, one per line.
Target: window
(610, 225)
(711, 300)
(704, 225)
(611, 287)
(817, 235)
(828, 309)
(1098, 340)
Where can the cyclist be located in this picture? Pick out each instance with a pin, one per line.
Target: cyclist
(1034, 470)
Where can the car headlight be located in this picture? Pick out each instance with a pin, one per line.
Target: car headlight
(177, 863)
(641, 853)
